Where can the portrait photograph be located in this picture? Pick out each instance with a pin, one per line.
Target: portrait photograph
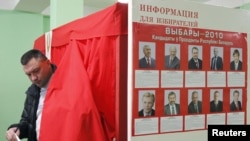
(172, 102)
(216, 100)
(195, 60)
(147, 56)
(172, 56)
(236, 59)
(195, 101)
(146, 103)
(216, 58)
(235, 100)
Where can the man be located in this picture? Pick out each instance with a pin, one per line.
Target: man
(195, 106)
(39, 70)
(195, 62)
(235, 104)
(171, 61)
(147, 61)
(236, 64)
(172, 108)
(216, 105)
(216, 61)
(148, 100)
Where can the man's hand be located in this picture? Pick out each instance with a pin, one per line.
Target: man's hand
(10, 134)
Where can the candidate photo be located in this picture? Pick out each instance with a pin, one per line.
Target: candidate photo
(236, 63)
(195, 61)
(195, 102)
(236, 97)
(172, 60)
(216, 103)
(217, 58)
(146, 55)
(146, 104)
(172, 106)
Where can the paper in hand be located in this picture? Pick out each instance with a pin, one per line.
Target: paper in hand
(17, 138)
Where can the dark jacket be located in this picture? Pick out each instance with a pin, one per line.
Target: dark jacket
(233, 106)
(27, 124)
(216, 108)
(192, 110)
(232, 66)
(143, 63)
(218, 63)
(192, 64)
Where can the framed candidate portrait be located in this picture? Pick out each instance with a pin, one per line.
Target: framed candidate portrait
(146, 93)
(195, 101)
(172, 56)
(236, 100)
(216, 58)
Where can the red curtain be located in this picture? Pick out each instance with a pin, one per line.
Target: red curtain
(81, 102)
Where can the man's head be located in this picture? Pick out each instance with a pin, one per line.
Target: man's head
(147, 50)
(236, 55)
(148, 100)
(216, 96)
(172, 51)
(37, 67)
(236, 95)
(195, 53)
(216, 51)
(171, 98)
(195, 98)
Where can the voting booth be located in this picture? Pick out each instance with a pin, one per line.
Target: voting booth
(86, 98)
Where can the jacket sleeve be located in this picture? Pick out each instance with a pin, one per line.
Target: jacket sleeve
(23, 124)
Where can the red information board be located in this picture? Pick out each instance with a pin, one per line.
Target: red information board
(187, 78)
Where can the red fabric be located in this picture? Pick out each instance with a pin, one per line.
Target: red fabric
(83, 89)
(108, 22)
(69, 112)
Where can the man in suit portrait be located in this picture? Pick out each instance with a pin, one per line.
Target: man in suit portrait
(171, 60)
(216, 61)
(195, 62)
(216, 105)
(236, 64)
(195, 106)
(147, 61)
(236, 104)
(172, 108)
(148, 100)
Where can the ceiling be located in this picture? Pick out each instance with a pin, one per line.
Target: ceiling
(43, 6)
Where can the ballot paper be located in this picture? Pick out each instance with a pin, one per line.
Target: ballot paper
(17, 138)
